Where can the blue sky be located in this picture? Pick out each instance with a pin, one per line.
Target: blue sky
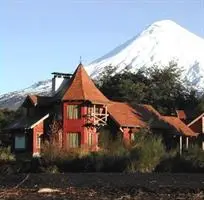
(38, 37)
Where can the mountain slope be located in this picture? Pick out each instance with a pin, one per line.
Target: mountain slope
(13, 100)
(160, 43)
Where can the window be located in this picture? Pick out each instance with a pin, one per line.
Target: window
(73, 140)
(90, 139)
(73, 111)
(90, 110)
(132, 136)
(20, 142)
(97, 110)
(38, 140)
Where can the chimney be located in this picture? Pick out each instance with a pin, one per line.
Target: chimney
(58, 79)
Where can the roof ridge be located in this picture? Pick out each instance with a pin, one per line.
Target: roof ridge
(82, 83)
(82, 88)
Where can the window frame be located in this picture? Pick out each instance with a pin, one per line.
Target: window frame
(38, 140)
(19, 147)
(73, 111)
(90, 140)
(71, 142)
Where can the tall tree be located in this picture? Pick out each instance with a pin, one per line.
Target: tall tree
(161, 87)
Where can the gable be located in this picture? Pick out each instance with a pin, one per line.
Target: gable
(30, 100)
(197, 126)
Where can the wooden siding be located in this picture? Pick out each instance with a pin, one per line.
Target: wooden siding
(78, 126)
(38, 130)
(197, 127)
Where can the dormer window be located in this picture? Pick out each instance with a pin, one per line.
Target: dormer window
(73, 111)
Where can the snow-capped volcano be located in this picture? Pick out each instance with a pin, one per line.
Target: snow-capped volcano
(162, 42)
(13, 100)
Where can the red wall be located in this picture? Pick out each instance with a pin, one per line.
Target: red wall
(37, 129)
(126, 134)
(93, 131)
(197, 126)
(77, 125)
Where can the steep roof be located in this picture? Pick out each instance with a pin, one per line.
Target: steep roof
(27, 122)
(30, 99)
(37, 100)
(124, 115)
(177, 124)
(139, 116)
(148, 112)
(143, 115)
(81, 87)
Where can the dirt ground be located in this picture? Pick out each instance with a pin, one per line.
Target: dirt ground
(103, 186)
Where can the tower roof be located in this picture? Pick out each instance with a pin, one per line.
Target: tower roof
(82, 88)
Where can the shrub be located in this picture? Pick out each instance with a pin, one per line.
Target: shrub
(6, 155)
(53, 169)
(195, 156)
(146, 154)
(150, 154)
(191, 161)
(105, 138)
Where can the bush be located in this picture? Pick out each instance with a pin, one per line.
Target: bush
(113, 159)
(191, 161)
(147, 153)
(151, 154)
(53, 169)
(6, 155)
(195, 156)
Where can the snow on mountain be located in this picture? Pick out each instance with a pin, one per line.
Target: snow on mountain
(13, 100)
(162, 42)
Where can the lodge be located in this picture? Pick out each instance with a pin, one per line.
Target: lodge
(76, 112)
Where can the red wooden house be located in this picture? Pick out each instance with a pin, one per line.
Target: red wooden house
(79, 109)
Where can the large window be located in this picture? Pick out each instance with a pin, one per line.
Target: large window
(73, 111)
(20, 142)
(73, 140)
(38, 140)
(90, 139)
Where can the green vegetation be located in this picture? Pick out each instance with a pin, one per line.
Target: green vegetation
(159, 86)
(6, 155)
(7, 116)
(146, 156)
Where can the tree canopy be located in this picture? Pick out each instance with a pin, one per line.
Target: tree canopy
(161, 87)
